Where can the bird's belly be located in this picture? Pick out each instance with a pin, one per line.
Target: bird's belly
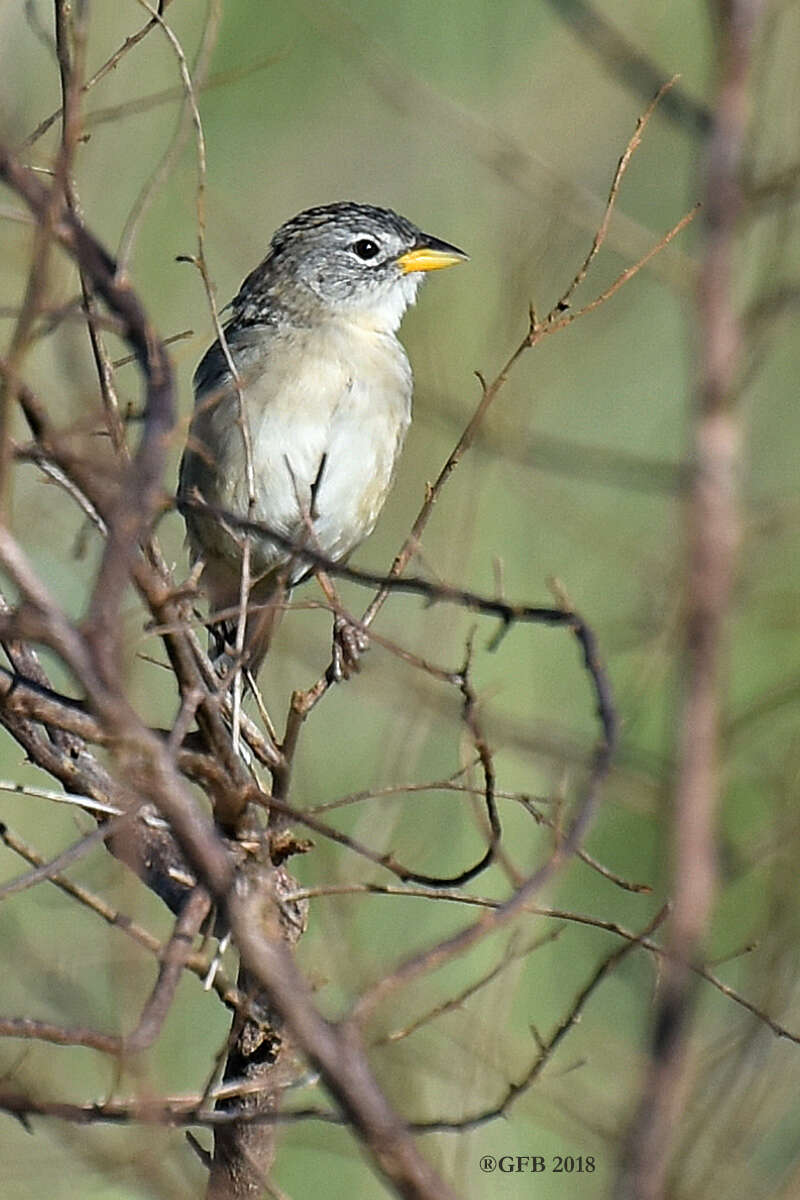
(323, 473)
(356, 477)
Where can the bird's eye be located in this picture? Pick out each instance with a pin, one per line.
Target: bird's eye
(365, 248)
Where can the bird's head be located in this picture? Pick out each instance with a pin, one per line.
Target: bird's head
(350, 260)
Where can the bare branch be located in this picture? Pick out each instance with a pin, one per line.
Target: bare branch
(140, 492)
(713, 535)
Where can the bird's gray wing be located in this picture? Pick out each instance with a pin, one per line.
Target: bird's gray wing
(205, 468)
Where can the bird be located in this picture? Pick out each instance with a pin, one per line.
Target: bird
(301, 411)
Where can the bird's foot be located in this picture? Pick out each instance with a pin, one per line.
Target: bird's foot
(349, 643)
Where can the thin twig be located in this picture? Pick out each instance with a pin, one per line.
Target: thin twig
(170, 157)
(109, 65)
(602, 229)
(545, 1049)
(512, 954)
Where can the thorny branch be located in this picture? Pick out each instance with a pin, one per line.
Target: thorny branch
(343, 1069)
(138, 789)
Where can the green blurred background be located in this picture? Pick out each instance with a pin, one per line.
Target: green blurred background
(493, 126)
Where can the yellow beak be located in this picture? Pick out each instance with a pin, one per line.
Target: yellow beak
(432, 256)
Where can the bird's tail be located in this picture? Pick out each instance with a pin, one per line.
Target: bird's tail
(264, 610)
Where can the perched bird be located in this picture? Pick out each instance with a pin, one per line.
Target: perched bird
(324, 388)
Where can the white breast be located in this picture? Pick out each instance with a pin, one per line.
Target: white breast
(328, 411)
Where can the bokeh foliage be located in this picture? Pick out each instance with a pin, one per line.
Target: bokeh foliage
(494, 127)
